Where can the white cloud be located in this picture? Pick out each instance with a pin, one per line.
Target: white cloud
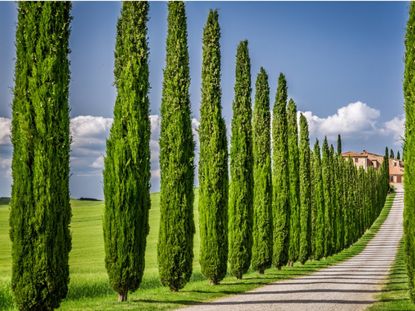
(356, 122)
(395, 128)
(98, 163)
(354, 118)
(5, 124)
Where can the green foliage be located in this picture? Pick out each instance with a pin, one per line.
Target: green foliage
(241, 168)
(127, 164)
(175, 246)
(261, 133)
(339, 145)
(391, 154)
(409, 147)
(318, 204)
(328, 204)
(40, 208)
(294, 182)
(305, 191)
(398, 156)
(280, 173)
(213, 162)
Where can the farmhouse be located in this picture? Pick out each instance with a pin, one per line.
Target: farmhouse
(366, 159)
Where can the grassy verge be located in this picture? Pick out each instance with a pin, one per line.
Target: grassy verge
(89, 289)
(395, 296)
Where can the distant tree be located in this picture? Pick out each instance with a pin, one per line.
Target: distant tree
(175, 245)
(280, 184)
(261, 133)
(398, 156)
(213, 162)
(409, 147)
(318, 204)
(294, 182)
(328, 207)
(241, 166)
(305, 191)
(127, 164)
(40, 210)
(339, 144)
(391, 154)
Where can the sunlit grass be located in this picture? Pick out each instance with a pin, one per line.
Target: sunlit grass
(89, 288)
(395, 296)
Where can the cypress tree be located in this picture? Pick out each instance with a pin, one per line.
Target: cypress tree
(326, 170)
(175, 245)
(241, 186)
(409, 175)
(305, 191)
(392, 155)
(40, 209)
(280, 185)
(398, 156)
(294, 182)
(213, 162)
(261, 134)
(339, 145)
(127, 164)
(334, 202)
(318, 203)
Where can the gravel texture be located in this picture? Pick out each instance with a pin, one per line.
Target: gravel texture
(350, 285)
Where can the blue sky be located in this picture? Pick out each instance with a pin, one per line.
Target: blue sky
(343, 62)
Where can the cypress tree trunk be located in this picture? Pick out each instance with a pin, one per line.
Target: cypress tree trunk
(409, 147)
(175, 245)
(213, 162)
(318, 201)
(127, 163)
(280, 185)
(241, 186)
(262, 233)
(294, 179)
(40, 208)
(326, 170)
(305, 191)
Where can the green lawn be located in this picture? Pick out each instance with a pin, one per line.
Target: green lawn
(395, 296)
(89, 288)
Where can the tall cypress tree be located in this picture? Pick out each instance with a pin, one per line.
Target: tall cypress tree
(318, 203)
(339, 195)
(40, 208)
(398, 156)
(261, 134)
(391, 154)
(213, 162)
(127, 164)
(409, 179)
(280, 184)
(305, 191)
(334, 201)
(339, 145)
(241, 186)
(294, 182)
(175, 245)
(326, 171)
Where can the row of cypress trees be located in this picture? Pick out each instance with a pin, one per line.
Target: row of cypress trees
(409, 150)
(285, 204)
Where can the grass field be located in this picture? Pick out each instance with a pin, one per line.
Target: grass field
(395, 296)
(89, 289)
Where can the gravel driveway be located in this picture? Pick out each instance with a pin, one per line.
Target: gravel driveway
(350, 285)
